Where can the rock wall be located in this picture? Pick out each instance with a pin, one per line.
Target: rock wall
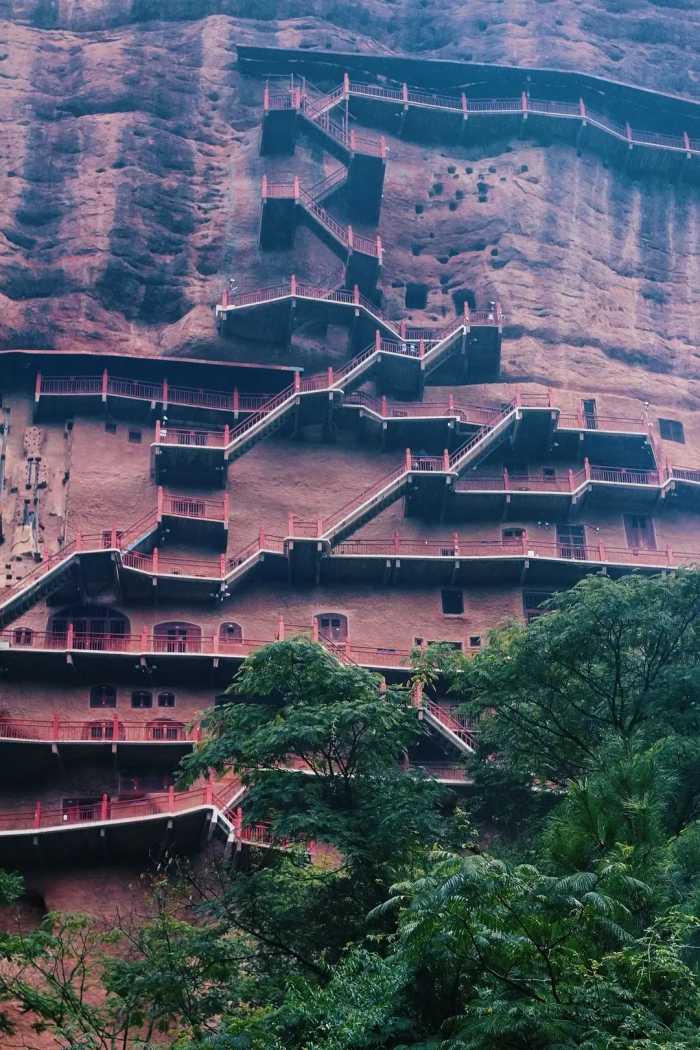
(130, 186)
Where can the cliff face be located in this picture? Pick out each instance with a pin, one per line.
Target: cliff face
(130, 186)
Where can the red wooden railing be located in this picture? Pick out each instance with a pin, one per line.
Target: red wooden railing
(97, 730)
(522, 105)
(140, 390)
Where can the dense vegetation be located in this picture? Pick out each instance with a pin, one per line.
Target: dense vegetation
(554, 906)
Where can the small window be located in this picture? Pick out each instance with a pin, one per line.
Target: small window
(108, 537)
(141, 698)
(111, 428)
(452, 602)
(511, 534)
(532, 603)
(457, 646)
(474, 641)
(135, 437)
(333, 627)
(639, 530)
(103, 696)
(22, 636)
(590, 414)
(166, 699)
(548, 472)
(672, 430)
(231, 632)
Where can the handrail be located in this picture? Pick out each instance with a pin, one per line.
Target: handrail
(98, 730)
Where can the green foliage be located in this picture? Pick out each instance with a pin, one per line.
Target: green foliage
(578, 928)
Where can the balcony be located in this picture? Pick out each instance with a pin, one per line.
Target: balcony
(184, 453)
(194, 519)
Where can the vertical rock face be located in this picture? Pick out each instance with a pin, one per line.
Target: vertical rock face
(130, 183)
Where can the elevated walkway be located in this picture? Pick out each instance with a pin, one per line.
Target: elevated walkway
(475, 118)
(280, 304)
(285, 204)
(286, 107)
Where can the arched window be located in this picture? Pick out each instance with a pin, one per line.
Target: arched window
(103, 730)
(177, 637)
(332, 626)
(166, 729)
(166, 699)
(103, 696)
(141, 698)
(230, 633)
(95, 627)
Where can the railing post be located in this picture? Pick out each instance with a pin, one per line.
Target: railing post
(144, 640)
(506, 479)
(293, 285)
(446, 460)
(404, 96)
(290, 524)
(261, 538)
(37, 387)
(70, 636)
(37, 814)
(587, 468)
(330, 375)
(451, 404)
(55, 726)
(297, 190)
(466, 315)
(407, 460)
(319, 526)
(226, 434)
(417, 695)
(356, 294)
(350, 238)
(571, 480)
(208, 792)
(352, 140)
(380, 250)
(157, 432)
(159, 503)
(154, 561)
(263, 188)
(113, 538)
(601, 551)
(397, 542)
(115, 727)
(280, 628)
(165, 393)
(465, 107)
(686, 142)
(105, 384)
(297, 381)
(346, 85)
(582, 109)
(377, 341)
(222, 565)
(236, 402)
(226, 507)
(104, 808)
(403, 326)
(238, 824)
(523, 104)
(171, 798)
(266, 97)
(385, 405)
(78, 540)
(421, 349)
(224, 299)
(455, 544)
